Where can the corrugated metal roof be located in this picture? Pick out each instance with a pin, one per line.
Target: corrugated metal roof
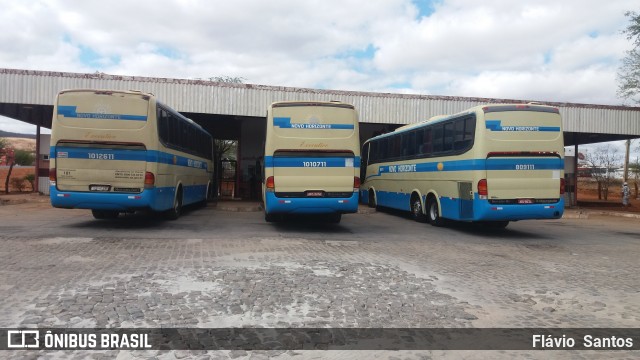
(201, 96)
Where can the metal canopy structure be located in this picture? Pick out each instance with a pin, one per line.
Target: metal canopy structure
(28, 95)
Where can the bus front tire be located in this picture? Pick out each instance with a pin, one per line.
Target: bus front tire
(416, 210)
(434, 212)
(176, 210)
(372, 199)
(104, 214)
(208, 196)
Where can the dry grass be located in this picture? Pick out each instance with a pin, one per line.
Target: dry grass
(22, 143)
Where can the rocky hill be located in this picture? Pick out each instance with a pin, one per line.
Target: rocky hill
(8, 134)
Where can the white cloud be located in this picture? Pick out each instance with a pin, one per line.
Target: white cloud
(541, 50)
(583, 85)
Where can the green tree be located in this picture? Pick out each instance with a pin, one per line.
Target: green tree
(25, 158)
(634, 173)
(4, 147)
(31, 178)
(629, 71)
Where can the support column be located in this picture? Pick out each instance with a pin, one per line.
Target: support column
(574, 201)
(37, 180)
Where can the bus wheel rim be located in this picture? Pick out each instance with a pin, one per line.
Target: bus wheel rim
(417, 208)
(433, 211)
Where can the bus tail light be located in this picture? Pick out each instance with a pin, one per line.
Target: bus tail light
(356, 183)
(483, 189)
(562, 186)
(149, 180)
(270, 184)
(52, 176)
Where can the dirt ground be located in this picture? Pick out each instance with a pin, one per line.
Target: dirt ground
(588, 197)
(18, 172)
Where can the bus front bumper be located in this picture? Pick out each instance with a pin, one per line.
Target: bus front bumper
(275, 205)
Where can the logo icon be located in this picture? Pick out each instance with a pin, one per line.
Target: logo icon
(23, 339)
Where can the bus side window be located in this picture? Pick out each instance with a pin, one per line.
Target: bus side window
(469, 128)
(448, 137)
(458, 137)
(174, 125)
(409, 144)
(438, 138)
(364, 161)
(384, 149)
(419, 145)
(163, 126)
(396, 146)
(427, 142)
(373, 152)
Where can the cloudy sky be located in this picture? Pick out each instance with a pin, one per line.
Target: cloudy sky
(553, 50)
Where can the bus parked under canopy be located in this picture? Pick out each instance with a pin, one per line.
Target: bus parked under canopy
(312, 159)
(120, 151)
(494, 163)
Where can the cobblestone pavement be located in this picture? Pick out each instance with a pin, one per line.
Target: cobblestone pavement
(213, 268)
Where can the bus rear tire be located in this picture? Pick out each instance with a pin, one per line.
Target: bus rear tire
(104, 214)
(416, 209)
(434, 212)
(497, 224)
(270, 217)
(176, 209)
(334, 218)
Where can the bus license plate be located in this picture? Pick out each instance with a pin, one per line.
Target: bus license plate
(315, 193)
(99, 187)
(525, 201)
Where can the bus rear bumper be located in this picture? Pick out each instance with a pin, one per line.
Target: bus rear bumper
(103, 201)
(484, 211)
(275, 205)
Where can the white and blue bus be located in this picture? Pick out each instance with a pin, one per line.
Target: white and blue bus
(494, 164)
(311, 160)
(121, 151)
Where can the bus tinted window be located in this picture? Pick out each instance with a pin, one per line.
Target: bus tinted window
(438, 138)
(448, 137)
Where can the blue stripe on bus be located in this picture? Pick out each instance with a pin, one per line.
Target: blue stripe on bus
(481, 210)
(474, 164)
(285, 123)
(270, 161)
(62, 152)
(157, 199)
(71, 112)
(496, 125)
